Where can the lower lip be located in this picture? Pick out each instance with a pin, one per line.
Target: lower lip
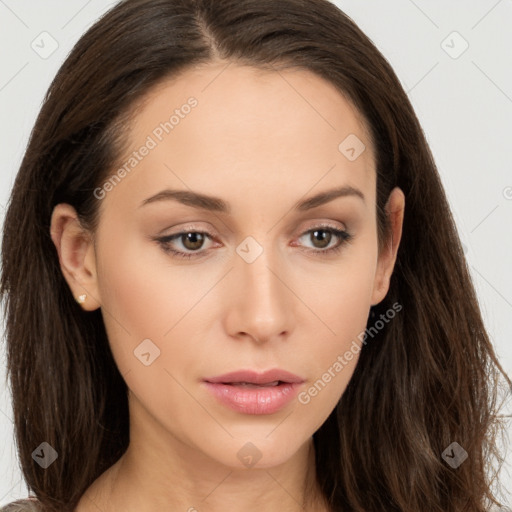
(252, 400)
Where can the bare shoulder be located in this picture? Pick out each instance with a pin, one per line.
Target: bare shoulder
(24, 505)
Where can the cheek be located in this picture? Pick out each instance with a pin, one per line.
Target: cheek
(144, 297)
(139, 286)
(335, 355)
(134, 306)
(342, 303)
(341, 293)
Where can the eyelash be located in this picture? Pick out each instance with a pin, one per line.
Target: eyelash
(344, 237)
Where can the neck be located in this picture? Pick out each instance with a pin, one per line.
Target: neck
(157, 475)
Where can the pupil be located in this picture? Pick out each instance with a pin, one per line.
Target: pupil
(325, 237)
(193, 241)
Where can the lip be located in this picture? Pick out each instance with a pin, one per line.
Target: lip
(255, 377)
(258, 398)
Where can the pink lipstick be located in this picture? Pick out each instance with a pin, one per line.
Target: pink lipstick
(250, 392)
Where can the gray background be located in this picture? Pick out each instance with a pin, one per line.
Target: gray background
(462, 98)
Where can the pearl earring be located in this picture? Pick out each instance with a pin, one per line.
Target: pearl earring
(81, 298)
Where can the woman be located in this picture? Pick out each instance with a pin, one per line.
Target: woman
(232, 278)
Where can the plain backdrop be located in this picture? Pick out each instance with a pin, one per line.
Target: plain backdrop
(452, 58)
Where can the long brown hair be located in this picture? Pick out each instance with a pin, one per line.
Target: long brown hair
(427, 379)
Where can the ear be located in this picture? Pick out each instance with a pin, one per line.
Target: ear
(386, 261)
(77, 257)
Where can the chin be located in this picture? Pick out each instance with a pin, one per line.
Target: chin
(257, 452)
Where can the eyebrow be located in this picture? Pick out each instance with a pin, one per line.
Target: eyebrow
(215, 204)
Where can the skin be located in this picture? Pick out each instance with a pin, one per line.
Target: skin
(260, 141)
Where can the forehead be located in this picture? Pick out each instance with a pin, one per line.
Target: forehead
(221, 125)
(231, 96)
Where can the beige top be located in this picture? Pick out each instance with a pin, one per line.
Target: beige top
(25, 505)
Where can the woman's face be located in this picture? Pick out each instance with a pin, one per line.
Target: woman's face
(262, 281)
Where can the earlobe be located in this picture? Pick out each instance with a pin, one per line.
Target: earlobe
(395, 208)
(76, 253)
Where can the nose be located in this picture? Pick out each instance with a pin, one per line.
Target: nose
(260, 304)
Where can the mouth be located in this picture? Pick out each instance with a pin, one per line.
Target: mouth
(252, 385)
(249, 392)
(266, 378)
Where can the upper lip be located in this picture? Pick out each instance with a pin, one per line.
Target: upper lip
(254, 377)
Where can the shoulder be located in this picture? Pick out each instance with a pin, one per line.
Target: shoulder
(24, 505)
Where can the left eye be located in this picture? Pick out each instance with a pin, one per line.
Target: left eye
(324, 235)
(190, 240)
(194, 240)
